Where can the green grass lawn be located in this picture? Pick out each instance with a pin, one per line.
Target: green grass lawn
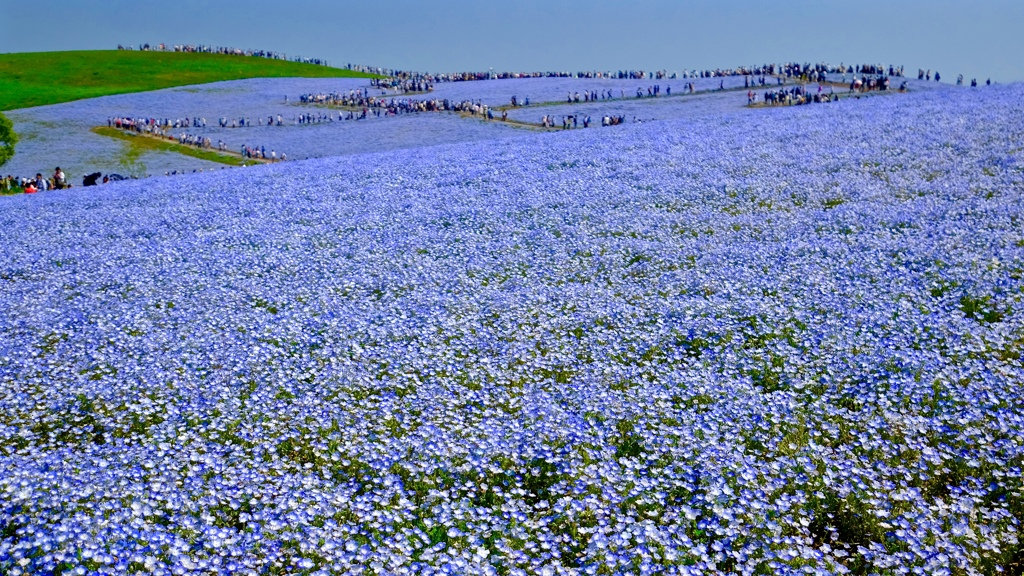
(39, 78)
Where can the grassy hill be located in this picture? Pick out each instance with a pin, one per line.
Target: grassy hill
(37, 78)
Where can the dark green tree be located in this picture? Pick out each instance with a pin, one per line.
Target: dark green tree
(7, 139)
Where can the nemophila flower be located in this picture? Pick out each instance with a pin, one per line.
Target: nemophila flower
(674, 347)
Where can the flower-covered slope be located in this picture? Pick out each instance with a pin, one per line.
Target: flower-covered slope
(759, 343)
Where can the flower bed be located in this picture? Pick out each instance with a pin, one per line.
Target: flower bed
(787, 340)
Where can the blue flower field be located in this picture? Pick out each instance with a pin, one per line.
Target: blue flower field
(773, 341)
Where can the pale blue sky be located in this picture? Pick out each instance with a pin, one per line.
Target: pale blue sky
(979, 39)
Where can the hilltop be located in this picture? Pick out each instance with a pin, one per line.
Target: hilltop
(39, 78)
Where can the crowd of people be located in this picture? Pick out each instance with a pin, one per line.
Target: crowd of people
(351, 99)
(204, 49)
(362, 101)
(361, 105)
(409, 81)
(201, 142)
(14, 184)
(405, 81)
(405, 77)
(162, 128)
(389, 106)
(795, 96)
(246, 122)
(573, 121)
(866, 84)
(974, 81)
(392, 106)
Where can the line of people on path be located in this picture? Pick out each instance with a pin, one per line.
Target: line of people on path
(574, 120)
(205, 49)
(426, 80)
(156, 126)
(867, 84)
(411, 81)
(303, 119)
(246, 122)
(351, 99)
(363, 113)
(162, 128)
(140, 125)
(392, 106)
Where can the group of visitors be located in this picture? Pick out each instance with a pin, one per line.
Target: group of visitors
(246, 122)
(156, 126)
(426, 80)
(417, 84)
(652, 91)
(94, 179)
(974, 81)
(383, 106)
(876, 69)
(193, 122)
(202, 48)
(866, 84)
(162, 128)
(408, 82)
(795, 96)
(361, 103)
(762, 81)
(351, 99)
(260, 152)
(608, 94)
(201, 142)
(927, 76)
(573, 121)
(13, 184)
(320, 118)
(422, 82)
